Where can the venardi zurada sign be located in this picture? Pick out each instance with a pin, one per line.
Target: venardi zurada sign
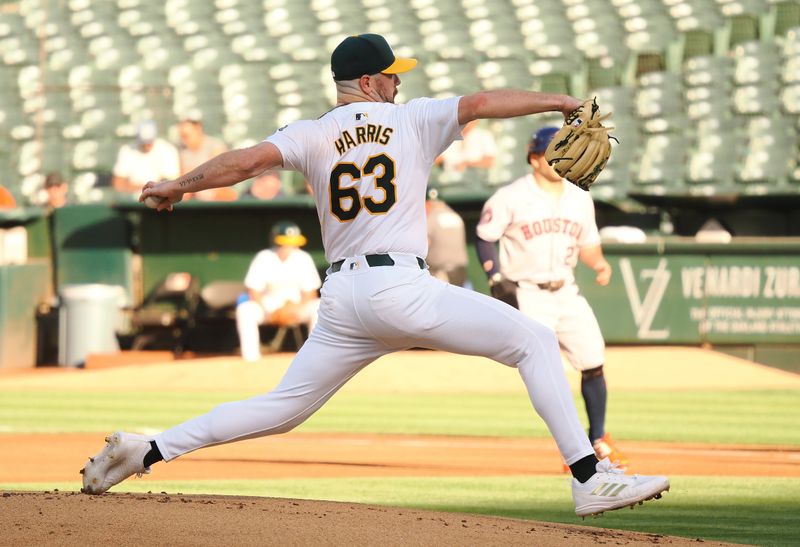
(694, 298)
(741, 281)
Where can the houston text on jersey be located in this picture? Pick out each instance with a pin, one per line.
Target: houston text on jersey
(552, 226)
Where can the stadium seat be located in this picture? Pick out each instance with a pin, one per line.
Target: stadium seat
(783, 16)
(790, 73)
(663, 163)
(707, 70)
(501, 73)
(790, 99)
(740, 25)
(755, 62)
(758, 99)
(659, 94)
(714, 153)
(769, 147)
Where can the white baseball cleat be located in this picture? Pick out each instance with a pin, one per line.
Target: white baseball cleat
(610, 488)
(122, 457)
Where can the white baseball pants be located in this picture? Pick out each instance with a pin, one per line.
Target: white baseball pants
(367, 312)
(568, 313)
(249, 315)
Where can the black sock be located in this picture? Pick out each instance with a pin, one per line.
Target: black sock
(153, 456)
(593, 389)
(584, 468)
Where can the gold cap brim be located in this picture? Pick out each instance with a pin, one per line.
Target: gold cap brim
(400, 65)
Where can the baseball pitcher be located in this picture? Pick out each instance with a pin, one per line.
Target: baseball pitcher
(544, 226)
(368, 161)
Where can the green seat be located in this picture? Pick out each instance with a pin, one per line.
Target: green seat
(791, 70)
(603, 73)
(713, 157)
(758, 99)
(707, 70)
(558, 76)
(696, 43)
(769, 150)
(755, 62)
(708, 101)
(791, 43)
(739, 28)
(790, 99)
(663, 161)
(659, 94)
(786, 17)
(94, 155)
(500, 73)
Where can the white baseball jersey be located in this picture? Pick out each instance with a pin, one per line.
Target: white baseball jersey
(539, 237)
(368, 165)
(282, 281)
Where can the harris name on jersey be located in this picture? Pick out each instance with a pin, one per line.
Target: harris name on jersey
(363, 134)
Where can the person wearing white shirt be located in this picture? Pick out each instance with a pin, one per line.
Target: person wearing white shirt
(476, 149)
(150, 159)
(282, 284)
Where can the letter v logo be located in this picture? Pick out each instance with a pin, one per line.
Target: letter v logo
(644, 310)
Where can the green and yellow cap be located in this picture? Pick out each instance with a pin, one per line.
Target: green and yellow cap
(288, 233)
(366, 54)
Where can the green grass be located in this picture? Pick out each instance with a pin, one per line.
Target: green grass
(763, 511)
(751, 417)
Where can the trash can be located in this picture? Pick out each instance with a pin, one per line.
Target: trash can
(89, 316)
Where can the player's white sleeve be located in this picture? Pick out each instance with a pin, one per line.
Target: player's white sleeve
(495, 218)
(590, 236)
(309, 277)
(256, 278)
(171, 162)
(123, 165)
(436, 124)
(291, 141)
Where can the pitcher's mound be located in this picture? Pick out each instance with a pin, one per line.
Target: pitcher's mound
(68, 518)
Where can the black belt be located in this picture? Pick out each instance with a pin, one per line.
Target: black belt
(375, 260)
(551, 285)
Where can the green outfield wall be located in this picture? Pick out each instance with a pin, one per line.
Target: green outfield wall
(665, 291)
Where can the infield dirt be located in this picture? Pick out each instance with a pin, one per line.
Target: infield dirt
(57, 518)
(68, 518)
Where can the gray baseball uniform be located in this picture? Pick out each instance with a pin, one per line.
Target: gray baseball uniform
(540, 240)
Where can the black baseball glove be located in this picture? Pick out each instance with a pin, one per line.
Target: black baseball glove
(504, 290)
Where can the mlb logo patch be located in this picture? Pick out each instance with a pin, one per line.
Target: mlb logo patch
(361, 116)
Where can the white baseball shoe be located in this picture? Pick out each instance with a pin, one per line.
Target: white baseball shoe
(122, 457)
(610, 488)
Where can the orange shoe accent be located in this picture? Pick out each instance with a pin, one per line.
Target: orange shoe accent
(605, 447)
